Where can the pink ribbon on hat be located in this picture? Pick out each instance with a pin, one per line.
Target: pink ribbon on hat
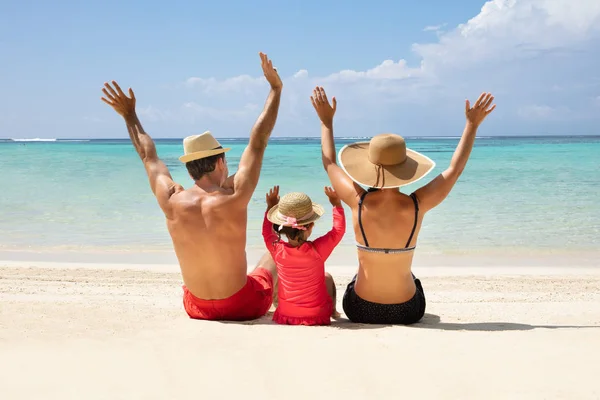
(293, 222)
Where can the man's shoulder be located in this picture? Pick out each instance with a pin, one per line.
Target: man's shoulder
(192, 198)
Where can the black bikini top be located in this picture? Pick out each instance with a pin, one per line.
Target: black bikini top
(382, 250)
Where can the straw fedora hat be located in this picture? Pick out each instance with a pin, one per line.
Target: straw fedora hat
(295, 209)
(201, 146)
(384, 162)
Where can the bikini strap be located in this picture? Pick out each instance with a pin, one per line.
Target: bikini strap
(414, 199)
(362, 230)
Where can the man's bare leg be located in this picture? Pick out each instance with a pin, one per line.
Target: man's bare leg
(267, 262)
(332, 292)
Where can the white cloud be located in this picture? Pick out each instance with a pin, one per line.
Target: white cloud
(153, 114)
(504, 29)
(434, 28)
(301, 74)
(522, 50)
(243, 83)
(386, 70)
(507, 29)
(537, 111)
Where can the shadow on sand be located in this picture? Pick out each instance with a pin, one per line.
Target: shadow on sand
(429, 321)
(432, 321)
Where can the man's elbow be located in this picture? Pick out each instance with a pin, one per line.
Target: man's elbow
(148, 158)
(258, 144)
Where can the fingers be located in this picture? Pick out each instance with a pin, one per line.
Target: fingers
(480, 99)
(118, 88)
(467, 105)
(112, 96)
(323, 94)
(112, 91)
(319, 97)
(266, 64)
(488, 101)
(108, 95)
(491, 109)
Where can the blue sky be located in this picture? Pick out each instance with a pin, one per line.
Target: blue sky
(394, 66)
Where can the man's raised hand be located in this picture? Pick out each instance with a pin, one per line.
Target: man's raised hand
(115, 98)
(270, 72)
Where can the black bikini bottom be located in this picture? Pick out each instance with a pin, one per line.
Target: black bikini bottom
(365, 312)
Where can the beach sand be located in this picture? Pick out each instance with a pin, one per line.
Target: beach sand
(119, 331)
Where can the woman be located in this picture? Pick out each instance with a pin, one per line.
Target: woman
(387, 222)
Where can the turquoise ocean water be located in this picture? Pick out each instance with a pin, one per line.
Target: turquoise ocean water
(516, 193)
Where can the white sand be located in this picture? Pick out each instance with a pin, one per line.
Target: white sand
(76, 331)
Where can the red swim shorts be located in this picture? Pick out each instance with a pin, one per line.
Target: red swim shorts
(250, 302)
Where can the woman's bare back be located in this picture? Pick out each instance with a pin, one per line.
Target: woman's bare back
(388, 220)
(385, 289)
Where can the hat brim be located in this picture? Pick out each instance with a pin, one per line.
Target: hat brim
(354, 160)
(274, 218)
(197, 155)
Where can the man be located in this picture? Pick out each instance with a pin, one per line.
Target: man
(207, 222)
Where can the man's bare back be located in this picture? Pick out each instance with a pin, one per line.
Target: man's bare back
(209, 241)
(207, 222)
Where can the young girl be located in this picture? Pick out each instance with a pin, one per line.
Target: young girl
(306, 294)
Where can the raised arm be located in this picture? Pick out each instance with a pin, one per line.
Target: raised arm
(438, 189)
(246, 178)
(160, 179)
(269, 235)
(341, 182)
(327, 243)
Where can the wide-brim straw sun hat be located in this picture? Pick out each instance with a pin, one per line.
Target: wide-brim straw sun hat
(384, 162)
(196, 147)
(295, 209)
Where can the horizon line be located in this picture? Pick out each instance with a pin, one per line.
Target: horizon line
(306, 137)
